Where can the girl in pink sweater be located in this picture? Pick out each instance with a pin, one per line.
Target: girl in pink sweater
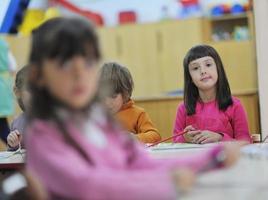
(73, 146)
(209, 112)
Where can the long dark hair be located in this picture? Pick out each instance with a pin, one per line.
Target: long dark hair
(61, 39)
(191, 94)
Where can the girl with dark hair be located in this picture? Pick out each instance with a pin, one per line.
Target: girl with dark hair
(209, 113)
(72, 145)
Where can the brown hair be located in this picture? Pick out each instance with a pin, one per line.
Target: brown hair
(115, 79)
(21, 78)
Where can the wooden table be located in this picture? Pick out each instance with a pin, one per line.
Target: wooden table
(247, 180)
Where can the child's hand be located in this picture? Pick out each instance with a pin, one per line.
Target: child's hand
(184, 179)
(232, 153)
(191, 133)
(14, 139)
(207, 137)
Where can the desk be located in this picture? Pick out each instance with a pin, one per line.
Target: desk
(10, 161)
(246, 180)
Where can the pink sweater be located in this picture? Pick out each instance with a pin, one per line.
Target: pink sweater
(232, 123)
(120, 170)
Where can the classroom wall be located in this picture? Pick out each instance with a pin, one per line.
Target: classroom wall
(20, 47)
(147, 10)
(261, 24)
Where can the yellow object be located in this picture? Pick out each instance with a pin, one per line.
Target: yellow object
(51, 13)
(35, 17)
(32, 19)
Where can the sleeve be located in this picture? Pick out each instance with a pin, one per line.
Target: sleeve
(180, 123)
(226, 137)
(12, 128)
(53, 161)
(240, 123)
(12, 64)
(200, 162)
(147, 133)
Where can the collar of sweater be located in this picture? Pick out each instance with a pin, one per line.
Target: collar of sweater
(127, 105)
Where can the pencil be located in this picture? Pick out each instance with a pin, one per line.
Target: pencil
(166, 139)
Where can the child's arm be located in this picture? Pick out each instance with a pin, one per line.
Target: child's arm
(180, 124)
(13, 140)
(146, 132)
(240, 123)
(202, 161)
(65, 172)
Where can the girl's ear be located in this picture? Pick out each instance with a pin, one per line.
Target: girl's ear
(35, 76)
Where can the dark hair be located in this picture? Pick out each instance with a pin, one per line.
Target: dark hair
(191, 94)
(116, 79)
(58, 38)
(21, 81)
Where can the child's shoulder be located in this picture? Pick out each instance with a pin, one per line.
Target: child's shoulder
(235, 105)
(181, 106)
(236, 101)
(138, 109)
(40, 126)
(20, 117)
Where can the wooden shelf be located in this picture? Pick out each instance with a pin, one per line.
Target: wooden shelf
(229, 17)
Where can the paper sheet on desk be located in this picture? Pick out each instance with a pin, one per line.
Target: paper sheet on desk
(256, 150)
(171, 146)
(9, 154)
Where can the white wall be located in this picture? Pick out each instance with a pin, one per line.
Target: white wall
(3, 8)
(147, 10)
(261, 23)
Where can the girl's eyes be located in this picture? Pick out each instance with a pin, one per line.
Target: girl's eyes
(69, 64)
(113, 96)
(208, 64)
(195, 68)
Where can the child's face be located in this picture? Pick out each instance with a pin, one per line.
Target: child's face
(73, 82)
(204, 73)
(114, 103)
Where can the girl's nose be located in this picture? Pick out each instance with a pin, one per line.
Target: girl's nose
(203, 70)
(79, 69)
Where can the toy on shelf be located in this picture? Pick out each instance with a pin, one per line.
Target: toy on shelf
(190, 8)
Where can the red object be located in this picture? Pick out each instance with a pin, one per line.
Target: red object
(188, 2)
(95, 17)
(127, 17)
(166, 139)
(226, 8)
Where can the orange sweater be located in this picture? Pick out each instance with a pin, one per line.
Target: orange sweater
(137, 121)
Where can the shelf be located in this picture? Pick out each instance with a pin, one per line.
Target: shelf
(229, 17)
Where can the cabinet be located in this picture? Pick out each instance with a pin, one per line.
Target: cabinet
(154, 52)
(238, 27)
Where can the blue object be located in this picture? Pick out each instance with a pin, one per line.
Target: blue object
(217, 11)
(14, 16)
(190, 11)
(175, 93)
(237, 9)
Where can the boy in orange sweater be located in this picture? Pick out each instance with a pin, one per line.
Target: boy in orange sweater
(116, 86)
